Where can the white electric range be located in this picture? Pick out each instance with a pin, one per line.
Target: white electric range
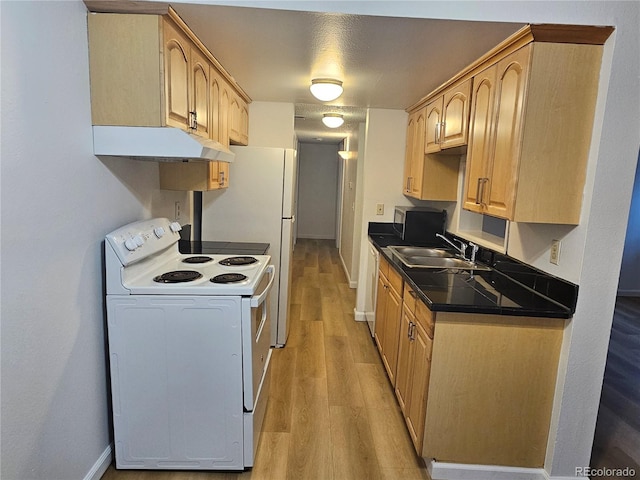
(189, 350)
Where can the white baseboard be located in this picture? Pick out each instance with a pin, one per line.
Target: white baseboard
(460, 471)
(313, 236)
(629, 293)
(359, 316)
(352, 283)
(101, 465)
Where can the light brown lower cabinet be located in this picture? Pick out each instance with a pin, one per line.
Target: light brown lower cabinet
(388, 317)
(491, 389)
(412, 384)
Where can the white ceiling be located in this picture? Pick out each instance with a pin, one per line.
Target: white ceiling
(384, 62)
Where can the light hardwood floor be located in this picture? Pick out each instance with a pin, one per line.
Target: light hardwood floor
(332, 414)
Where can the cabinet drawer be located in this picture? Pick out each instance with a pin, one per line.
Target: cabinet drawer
(425, 318)
(395, 280)
(409, 298)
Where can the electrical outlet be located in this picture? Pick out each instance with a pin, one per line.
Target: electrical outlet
(379, 208)
(554, 256)
(178, 210)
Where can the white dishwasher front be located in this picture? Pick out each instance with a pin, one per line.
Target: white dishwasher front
(373, 259)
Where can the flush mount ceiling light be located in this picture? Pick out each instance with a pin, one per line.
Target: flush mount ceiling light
(332, 120)
(326, 89)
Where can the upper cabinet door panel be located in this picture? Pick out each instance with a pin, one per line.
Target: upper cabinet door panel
(510, 96)
(479, 151)
(201, 93)
(455, 116)
(176, 64)
(433, 126)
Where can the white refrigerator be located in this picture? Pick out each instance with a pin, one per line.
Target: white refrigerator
(259, 205)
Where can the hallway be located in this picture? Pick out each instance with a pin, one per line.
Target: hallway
(332, 414)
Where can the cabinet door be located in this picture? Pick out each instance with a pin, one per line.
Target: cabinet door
(381, 305)
(511, 86)
(417, 156)
(455, 116)
(223, 174)
(432, 126)
(215, 99)
(200, 88)
(393, 316)
(480, 138)
(405, 351)
(419, 378)
(408, 153)
(224, 116)
(176, 76)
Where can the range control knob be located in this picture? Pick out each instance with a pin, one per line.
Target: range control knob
(159, 231)
(130, 244)
(138, 240)
(175, 227)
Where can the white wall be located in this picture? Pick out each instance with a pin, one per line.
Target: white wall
(349, 241)
(58, 201)
(382, 167)
(271, 124)
(317, 190)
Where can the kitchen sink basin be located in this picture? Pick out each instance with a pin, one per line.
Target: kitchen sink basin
(421, 251)
(438, 258)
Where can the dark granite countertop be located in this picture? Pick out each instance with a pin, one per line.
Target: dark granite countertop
(488, 292)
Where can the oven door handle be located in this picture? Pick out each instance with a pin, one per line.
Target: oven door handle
(261, 297)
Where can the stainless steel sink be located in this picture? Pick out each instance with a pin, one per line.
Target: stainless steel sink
(421, 251)
(438, 258)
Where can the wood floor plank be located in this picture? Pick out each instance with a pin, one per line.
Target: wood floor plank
(278, 415)
(354, 455)
(272, 457)
(333, 318)
(310, 358)
(310, 452)
(342, 377)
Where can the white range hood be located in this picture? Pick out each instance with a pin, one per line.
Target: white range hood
(163, 144)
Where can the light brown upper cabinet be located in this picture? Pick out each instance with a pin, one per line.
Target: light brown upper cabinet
(530, 130)
(427, 177)
(186, 82)
(447, 119)
(239, 121)
(165, 78)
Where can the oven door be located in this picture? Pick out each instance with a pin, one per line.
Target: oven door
(256, 337)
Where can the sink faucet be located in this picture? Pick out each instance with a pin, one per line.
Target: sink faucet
(462, 249)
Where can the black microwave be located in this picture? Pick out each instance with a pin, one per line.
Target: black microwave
(419, 225)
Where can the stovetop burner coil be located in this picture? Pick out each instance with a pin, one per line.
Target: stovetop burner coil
(178, 276)
(199, 259)
(229, 278)
(237, 261)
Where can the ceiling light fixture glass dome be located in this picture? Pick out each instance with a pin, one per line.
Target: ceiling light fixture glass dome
(332, 120)
(326, 89)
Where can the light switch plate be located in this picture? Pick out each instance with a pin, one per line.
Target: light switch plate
(379, 208)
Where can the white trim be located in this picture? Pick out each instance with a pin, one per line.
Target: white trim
(629, 293)
(459, 471)
(359, 316)
(352, 283)
(101, 465)
(312, 236)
